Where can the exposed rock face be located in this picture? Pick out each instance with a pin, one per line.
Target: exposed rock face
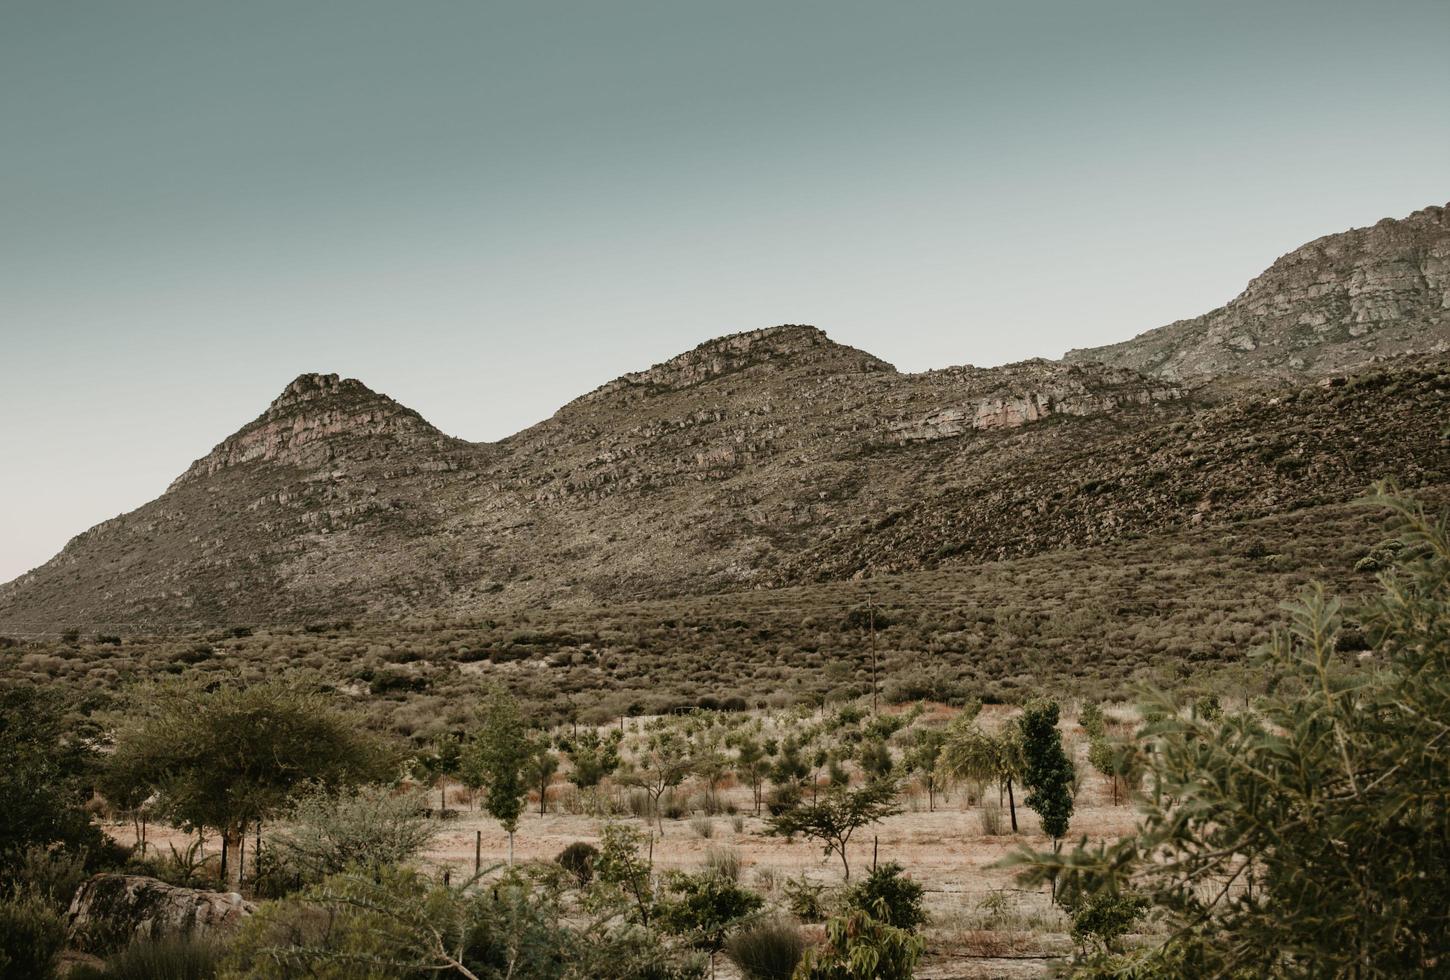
(728, 355)
(1029, 392)
(110, 910)
(761, 459)
(315, 420)
(1335, 304)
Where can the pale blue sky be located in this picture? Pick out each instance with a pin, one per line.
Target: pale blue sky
(487, 209)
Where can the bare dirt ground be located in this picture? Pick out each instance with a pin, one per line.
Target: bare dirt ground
(983, 925)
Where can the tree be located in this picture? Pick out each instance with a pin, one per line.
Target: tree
(889, 894)
(368, 828)
(45, 774)
(837, 815)
(592, 757)
(228, 756)
(662, 765)
(704, 908)
(1047, 772)
(435, 765)
(789, 768)
(540, 769)
(860, 946)
(711, 765)
(620, 872)
(874, 758)
(924, 758)
(970, 753)
(1310, 835)
(497, 757)
(752, 763)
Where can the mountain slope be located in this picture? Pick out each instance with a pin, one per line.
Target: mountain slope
(1335, 304)
(757, 460)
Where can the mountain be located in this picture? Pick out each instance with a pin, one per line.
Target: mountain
(763, 459)
(1335, 304)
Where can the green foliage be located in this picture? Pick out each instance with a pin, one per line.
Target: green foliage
(53, 873)
(1101, 919)
(44, 776)
(1047, 772)
(766, 949)
(837, 815)
(874, 758)
(662, 764)
(398, 923)
(752, 763)
(924, 759)
(578, 859)
(540, 767)
(972, 754)
(1310, 836)
(703, 908)
(620, 874)
(175, 958)
(227, 756)
(890, 895)
(1092, 719)
(439, 761)
(862, 947)
(498, 757)
(367, 828)
(591, 756)
(805, 899)
(32, 933)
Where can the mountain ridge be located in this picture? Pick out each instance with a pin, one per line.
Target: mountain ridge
(756, 460)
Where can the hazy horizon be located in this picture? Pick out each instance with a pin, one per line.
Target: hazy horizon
(485, 212)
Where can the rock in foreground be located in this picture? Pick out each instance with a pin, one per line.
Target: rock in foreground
(111, 910)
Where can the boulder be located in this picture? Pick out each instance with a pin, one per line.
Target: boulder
(110, 910)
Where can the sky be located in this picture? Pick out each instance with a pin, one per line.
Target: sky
(485, 210)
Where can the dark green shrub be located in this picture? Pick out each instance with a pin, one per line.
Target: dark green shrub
(32, 933)
(767, 950)
(805, 899)
(1101, 920)
(889, 895)
(578, 859)
(177, 958)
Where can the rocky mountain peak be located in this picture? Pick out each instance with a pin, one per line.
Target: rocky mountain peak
(771, 349)
(1337, 303)
(316, 418)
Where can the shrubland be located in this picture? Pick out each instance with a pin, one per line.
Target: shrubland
(1291, 807)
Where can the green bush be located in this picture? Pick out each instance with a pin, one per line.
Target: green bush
(32, 934)
(889, 895)
(578, 859)
(769, 949)
(368, 827)
(1326, 803)
(806, 899)
(51, 872)
(860, 946)
(1101, 920)
(179, 958)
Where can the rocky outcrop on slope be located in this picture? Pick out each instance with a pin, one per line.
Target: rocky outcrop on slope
(781, 346)
(1028, 392)
(1335, 304)
(315, 419)
(755, 460)
(111, 910)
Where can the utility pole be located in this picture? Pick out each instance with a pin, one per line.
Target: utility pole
(871, 614)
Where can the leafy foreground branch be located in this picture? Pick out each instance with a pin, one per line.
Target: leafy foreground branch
(1309, 836)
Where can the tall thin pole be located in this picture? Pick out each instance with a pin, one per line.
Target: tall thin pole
(871, 613)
